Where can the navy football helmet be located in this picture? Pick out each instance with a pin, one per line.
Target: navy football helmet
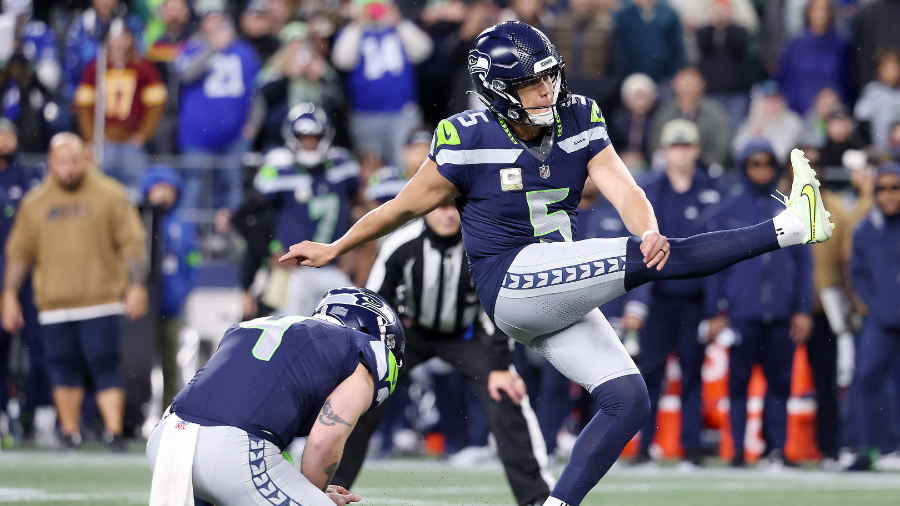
(513, 53)
(307, 120)
(368, 312)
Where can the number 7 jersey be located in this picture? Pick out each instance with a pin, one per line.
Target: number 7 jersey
(513, 194)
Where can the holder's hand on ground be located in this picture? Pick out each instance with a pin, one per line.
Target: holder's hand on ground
(310, 254)
(11, 314)
(341, 495)
(507, 381)
(655, 248)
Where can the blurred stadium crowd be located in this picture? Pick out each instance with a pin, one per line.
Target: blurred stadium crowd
(703, 99)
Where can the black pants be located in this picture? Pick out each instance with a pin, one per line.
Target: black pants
(822, 351)
(471, 358)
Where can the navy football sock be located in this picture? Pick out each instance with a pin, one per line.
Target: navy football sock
(700, 255)
(624, 407)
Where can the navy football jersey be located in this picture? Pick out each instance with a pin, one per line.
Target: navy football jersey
(271, 376)
(312, 204)
(510, 196)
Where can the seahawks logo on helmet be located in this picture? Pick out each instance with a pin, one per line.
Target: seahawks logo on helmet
(479, 63)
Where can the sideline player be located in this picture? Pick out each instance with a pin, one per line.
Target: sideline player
(271, 380)
(517, 171)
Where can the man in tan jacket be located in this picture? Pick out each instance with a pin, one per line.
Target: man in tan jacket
(85, 244)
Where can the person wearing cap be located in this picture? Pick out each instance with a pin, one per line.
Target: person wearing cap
(770, 119)
(217, 114)
(295, 74)
(421, 269)
(684, 194)
(135, 102)
(767, 301)
(256, 29)
(15, 181)
(86, 33)
(690, 103)
(875, 272)
(379, 50)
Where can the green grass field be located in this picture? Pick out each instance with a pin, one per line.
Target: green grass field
(43, 478)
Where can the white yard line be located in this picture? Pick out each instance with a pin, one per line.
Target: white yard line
(21, 495)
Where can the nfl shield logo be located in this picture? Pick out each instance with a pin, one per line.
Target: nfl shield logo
(545, 171)
(181, 425)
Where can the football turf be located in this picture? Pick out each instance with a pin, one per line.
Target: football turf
(44, 478)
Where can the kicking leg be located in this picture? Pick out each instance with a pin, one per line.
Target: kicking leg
(591, 354)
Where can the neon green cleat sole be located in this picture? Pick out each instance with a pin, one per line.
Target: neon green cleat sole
(806, 201)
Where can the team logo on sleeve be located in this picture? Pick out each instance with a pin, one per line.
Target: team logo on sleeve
(511, 179)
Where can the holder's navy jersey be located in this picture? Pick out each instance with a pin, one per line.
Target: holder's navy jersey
(271, 376)
(511, 198)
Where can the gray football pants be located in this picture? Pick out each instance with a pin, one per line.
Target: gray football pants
(549, 301)
(233, 468)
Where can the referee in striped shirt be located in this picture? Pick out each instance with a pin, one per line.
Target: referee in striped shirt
(422, 271)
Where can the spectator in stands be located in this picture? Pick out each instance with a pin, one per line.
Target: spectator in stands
(530, 12)
(879, 102)
(630, 126)
(175, 15)
(161, 187)
(649, 34)
(698, 13)
(256, 29)
(874, 30)
(134, 103)
(770, 119)
(875, 270)
(691, 104)
(83, 289)
(85, 35)
(15, 180)
(480, 16)
(766, 300)
(723, 61)
(814, 131)
(379, 50)
(583, 36)
(387, 181)
(682, 196)
(893, 151)
(217, 70)
(298, 73)
(281, 12)
(817, 58)
(840, 135)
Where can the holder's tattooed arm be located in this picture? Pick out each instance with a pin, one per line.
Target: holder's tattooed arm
(335, 422)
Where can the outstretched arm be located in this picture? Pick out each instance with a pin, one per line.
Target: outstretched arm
(325, 445)
(427, 190)
(616, 183)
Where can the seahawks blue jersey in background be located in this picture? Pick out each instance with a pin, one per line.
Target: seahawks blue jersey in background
(271, 376)
(510, 198)
(313, 204)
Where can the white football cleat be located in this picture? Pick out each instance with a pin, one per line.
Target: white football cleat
(805, 201)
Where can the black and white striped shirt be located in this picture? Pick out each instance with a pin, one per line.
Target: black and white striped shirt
(426, 277)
